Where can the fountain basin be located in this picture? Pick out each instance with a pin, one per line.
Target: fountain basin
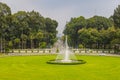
(63, 62)
(66, 57)
(66, 61)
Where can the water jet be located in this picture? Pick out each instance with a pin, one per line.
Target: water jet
(65, 55)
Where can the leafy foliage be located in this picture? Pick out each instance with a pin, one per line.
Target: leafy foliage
(26, 29)
(95, 32)
(116, 17)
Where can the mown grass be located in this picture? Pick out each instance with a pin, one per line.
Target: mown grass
(36, 68)
(0, 54)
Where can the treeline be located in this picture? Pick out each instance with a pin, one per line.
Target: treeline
(24, 30)
(97, 32)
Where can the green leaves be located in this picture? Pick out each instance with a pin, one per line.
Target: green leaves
(85, 31)
(98, 22)
(25, 29)
(95, 32)
(4, 9)
(116, 17)
(34, 28)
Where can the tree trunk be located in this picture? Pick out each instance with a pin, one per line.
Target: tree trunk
(1, 44)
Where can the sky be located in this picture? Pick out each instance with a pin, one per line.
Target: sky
(63, 10)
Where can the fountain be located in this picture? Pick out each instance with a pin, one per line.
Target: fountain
(65, 55)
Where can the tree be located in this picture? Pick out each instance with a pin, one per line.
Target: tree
(73, 27)
(99, 23)
(50, 31)
(5, 11)
(10, 44)
(39, 37)
(88, 37)
(31, 37)
(116, 17)
(21, 25)
(90, 32)
(115, 42)
(43, 45)
(17, 42)
(24, 38)
(26, 28)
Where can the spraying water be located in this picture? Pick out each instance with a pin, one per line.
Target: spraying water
(65, 55)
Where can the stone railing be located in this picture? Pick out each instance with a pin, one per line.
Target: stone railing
(110, 51)
(22, 52)
(51, 51)
(30, 51)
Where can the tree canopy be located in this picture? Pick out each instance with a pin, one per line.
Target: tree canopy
(97, 32)
(78, 29)
(116, 17)
(26, 29)
(23, 30)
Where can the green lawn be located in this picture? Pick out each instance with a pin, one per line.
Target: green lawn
(36, 68)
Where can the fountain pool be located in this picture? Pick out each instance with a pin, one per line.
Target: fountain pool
(65, 55)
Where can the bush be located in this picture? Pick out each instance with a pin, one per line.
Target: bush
(81, 46)
(7, 50)
(43, 45)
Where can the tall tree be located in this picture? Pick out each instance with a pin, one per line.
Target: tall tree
(116, 17)
(26, 28)
(50, 31)
(99, 23)
(73, 27)
(88, 37)
(5, 11)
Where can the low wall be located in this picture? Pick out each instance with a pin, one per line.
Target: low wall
(93, 51)
(30, 51)
(50, 51)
